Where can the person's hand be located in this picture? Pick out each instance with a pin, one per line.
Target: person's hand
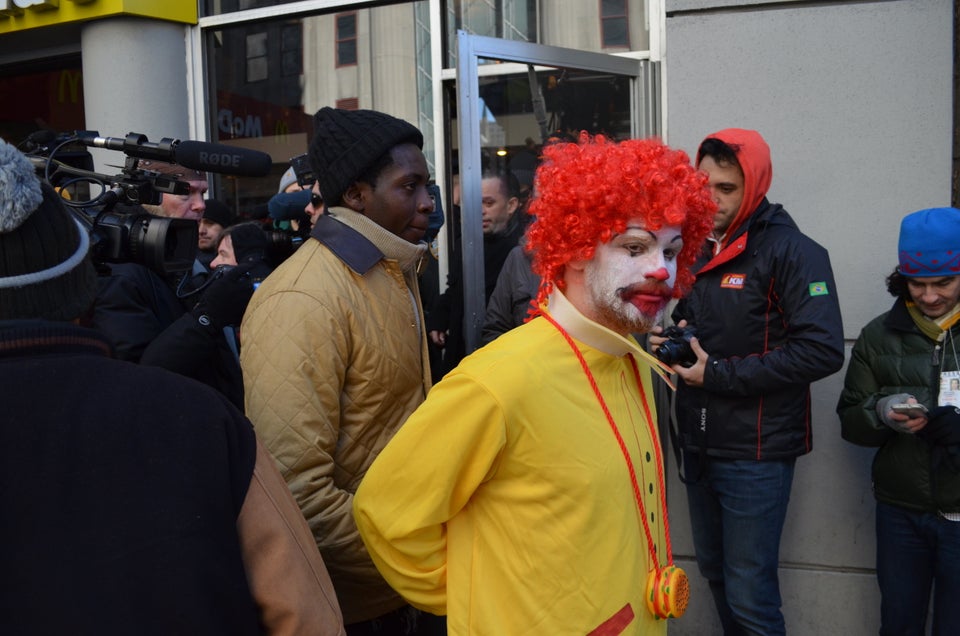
(943, 426)
(654, 339)
(900, 422)
(693, 375)
(438, 338)
(225, 300)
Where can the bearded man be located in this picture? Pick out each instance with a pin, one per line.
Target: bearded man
(526, 494)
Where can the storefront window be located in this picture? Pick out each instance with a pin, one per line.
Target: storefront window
(219, 7)
(505, 19)
(46, 95)
(268, 78)
(596, 25)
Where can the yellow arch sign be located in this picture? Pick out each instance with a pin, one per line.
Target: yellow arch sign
(20, 15)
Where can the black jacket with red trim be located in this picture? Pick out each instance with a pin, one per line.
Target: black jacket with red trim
(766, 311)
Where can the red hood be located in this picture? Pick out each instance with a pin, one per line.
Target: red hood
(753, 153)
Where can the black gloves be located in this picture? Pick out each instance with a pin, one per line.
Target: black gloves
(943, 426)
(225, 299)
(943, 433)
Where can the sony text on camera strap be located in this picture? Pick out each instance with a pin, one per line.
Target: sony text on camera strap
(668, 590)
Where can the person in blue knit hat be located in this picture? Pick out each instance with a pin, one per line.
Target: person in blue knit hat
(900, 395)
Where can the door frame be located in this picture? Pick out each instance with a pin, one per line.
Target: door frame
(644, 95)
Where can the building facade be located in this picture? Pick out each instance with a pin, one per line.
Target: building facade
(854, 97)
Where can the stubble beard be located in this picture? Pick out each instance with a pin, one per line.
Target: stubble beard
(610, 310)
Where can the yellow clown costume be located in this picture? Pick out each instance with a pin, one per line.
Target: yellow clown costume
(506, 501)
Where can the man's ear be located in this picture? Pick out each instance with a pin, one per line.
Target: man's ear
(353, 198)
(512, 204)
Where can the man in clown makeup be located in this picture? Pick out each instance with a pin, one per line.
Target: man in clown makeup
(526, 494)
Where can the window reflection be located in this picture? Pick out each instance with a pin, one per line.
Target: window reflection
(268, 78)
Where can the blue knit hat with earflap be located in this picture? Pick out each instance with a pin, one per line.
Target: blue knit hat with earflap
(930, 243)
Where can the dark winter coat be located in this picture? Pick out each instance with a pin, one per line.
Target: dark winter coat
(893, 356)
(137, 501)
(87, 450)
(134, 305)
(766, 311)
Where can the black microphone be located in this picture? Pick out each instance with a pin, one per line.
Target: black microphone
(198, 155)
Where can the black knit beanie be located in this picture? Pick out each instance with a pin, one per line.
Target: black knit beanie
(218, 212)
(249, 242)
(45, 271)
(347, 142)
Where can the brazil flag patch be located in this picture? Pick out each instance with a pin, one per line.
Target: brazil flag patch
(818, 289)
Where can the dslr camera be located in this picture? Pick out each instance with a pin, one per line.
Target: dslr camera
(676, 349)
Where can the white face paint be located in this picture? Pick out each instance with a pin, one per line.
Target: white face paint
(630, 279)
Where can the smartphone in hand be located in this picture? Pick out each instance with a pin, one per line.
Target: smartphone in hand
(910, 410)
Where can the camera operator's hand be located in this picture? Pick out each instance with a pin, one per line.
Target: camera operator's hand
(225, 300)
(693, 375)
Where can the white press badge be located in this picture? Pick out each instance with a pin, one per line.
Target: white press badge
(949, 388)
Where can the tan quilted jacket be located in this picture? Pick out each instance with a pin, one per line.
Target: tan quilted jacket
(333, 363)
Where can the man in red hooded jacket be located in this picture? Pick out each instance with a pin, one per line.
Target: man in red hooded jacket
(767, 321)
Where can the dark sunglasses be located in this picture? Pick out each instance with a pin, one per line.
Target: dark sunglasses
(316, 200)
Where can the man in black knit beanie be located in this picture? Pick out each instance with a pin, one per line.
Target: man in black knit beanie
(334, 349)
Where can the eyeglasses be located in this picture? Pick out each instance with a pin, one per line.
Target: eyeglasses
(316, 200)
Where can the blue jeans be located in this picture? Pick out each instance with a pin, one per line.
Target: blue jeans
(737, 508)
(917, 550)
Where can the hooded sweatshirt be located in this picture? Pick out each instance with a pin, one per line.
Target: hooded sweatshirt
(753, 155)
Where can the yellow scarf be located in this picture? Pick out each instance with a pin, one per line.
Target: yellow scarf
(933, 329)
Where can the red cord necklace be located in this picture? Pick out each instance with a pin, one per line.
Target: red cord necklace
(668, 589)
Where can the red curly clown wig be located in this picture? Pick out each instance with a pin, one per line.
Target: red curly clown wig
(587, 191)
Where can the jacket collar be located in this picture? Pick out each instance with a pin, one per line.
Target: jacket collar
(597, 336)
(765, 215)
(360, 243)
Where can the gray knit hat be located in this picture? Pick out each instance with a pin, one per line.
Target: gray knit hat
(288, 179)
(44, 268)
(347, 142)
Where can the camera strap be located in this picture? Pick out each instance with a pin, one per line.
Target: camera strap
(673, 427)
(198, 271)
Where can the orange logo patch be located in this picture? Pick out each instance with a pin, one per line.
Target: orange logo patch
(733, 281)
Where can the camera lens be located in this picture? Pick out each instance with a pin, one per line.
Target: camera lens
(676, 349)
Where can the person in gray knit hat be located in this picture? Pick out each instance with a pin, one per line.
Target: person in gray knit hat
(334, 350)
(44, 269)
(126, 482)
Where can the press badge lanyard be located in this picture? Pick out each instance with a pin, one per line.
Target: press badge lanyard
(668, 589)
(945, 377)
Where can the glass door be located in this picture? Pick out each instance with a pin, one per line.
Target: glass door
(511, 98)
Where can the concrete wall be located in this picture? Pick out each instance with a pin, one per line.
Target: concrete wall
(855, 100)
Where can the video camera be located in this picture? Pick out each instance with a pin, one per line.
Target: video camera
(166, 245)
